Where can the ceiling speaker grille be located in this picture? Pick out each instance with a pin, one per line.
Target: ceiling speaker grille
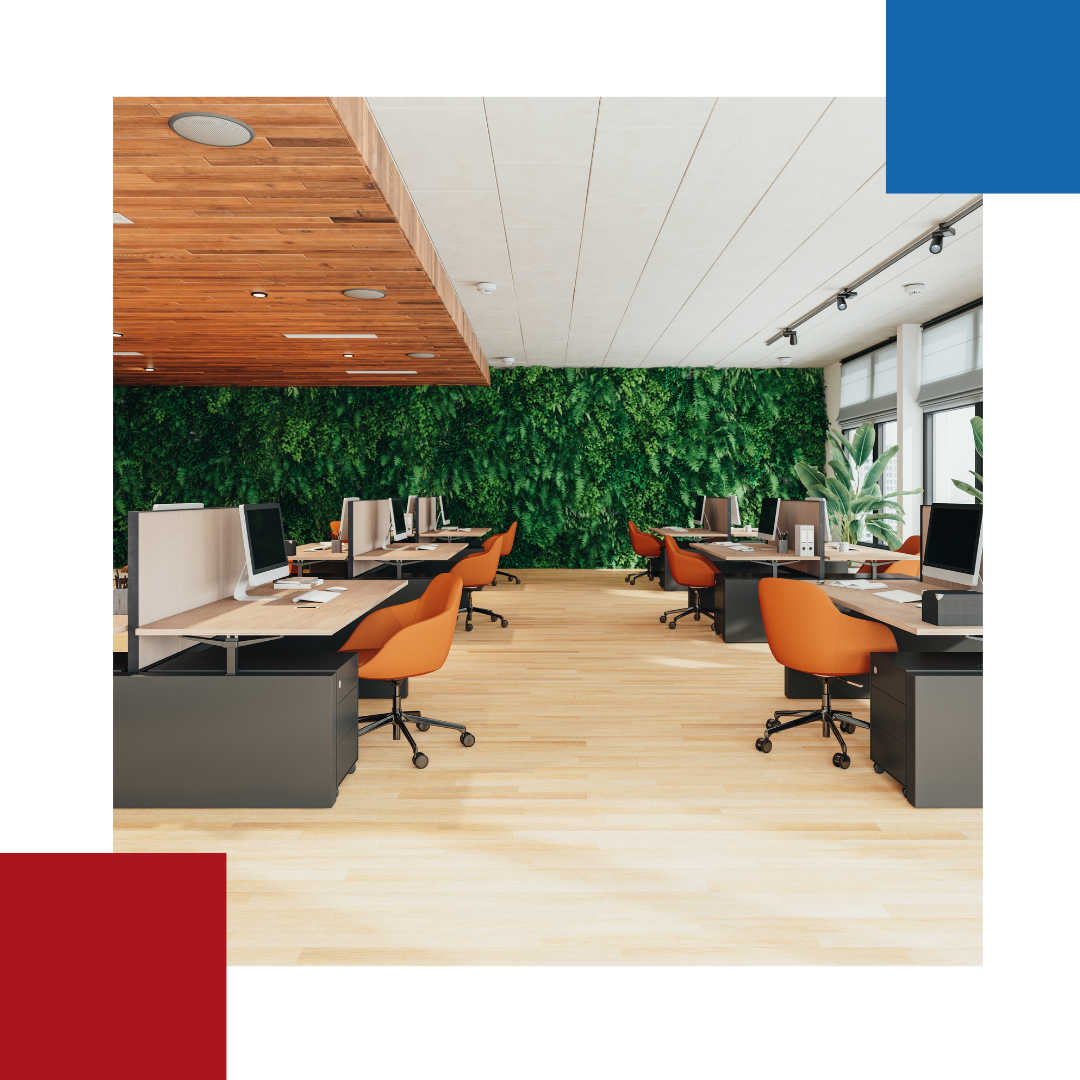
(210, 129)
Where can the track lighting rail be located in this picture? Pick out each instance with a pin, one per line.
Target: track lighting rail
(934, 235)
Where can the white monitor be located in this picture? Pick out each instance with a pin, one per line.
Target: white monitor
(397, 519)
(264, 547)
(953, 549)
(733, 511)
(444, 516)
(766, 528)
(699, 515)
(343, 529)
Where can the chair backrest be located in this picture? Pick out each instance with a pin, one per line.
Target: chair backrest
(510, 534)
(490, 542)
(689, 568)
(335, 529)
(443, 591)
(478, 570)
(909, 567)
(806, 632)
(643, 544)
(911, 546)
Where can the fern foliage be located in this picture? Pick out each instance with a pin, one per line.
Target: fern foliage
(571, 454)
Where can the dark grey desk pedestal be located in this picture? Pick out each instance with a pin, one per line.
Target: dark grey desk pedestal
(926, 725)
(280, 733)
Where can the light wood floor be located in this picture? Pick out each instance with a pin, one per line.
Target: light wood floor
(612, 811)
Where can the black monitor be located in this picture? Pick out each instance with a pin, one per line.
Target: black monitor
(264, 547)
(397, 519)
(699, 516)
(766, 528)
(953, 549)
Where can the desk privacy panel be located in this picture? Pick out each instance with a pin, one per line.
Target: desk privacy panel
(178, 560)
(571, 454)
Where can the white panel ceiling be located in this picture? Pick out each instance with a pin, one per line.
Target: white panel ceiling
(653, 232)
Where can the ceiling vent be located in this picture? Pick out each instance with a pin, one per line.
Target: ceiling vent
(210, 129)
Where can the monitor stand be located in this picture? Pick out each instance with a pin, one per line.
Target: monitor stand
(240, 592)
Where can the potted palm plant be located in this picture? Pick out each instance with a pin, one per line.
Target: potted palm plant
(856, 507)
(977, 431)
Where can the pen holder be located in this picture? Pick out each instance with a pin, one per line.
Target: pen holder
(290, 547)
(781, 547)
(335, 547)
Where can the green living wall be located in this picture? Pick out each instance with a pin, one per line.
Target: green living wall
(571, 454)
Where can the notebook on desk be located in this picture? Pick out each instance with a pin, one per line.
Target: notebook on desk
(901, 597)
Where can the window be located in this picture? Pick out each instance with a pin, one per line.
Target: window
(949, 454)
(884, 438)
(868, 386)
(953, 347)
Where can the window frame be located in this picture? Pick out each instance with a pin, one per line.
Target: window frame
(879, 438)
(929, 495)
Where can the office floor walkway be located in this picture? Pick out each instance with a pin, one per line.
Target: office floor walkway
(612, 811)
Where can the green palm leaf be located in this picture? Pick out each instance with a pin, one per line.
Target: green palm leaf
(840, 468)
(809, 475)
(883, 532)
(841, 443)
(969, 489)
(875, 472)
(840, 493)
(977, 431)
(863, 444)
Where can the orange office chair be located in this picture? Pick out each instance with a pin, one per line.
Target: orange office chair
(475, 572)
(648, 547)
(396, 643)
(335, 529)
(692, 569)
(806, 632)
(911, 546)
(508, 545)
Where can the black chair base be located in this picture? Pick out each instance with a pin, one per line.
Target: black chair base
(468, 608)
(832, 721)
(511, 577)
(399, 718)
(694, 609)
(649, 572)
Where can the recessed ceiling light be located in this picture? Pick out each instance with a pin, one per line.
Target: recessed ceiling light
(127, 354)
(211, 129)
(420, 355)
(347, 355)
(258, 294)
(149, 367)
(785, 360)
(380, 372)
(119, 219)
(364, 294)
(310, 337)
(115, 334)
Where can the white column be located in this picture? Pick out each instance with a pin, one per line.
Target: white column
(909, 422)
(832, 403)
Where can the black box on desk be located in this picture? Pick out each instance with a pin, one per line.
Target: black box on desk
(952, 608)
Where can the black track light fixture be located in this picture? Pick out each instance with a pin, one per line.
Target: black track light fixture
(843, 297)
(937, 241)
(791, 336)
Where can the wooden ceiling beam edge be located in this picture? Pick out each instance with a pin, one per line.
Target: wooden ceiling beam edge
(356, 119)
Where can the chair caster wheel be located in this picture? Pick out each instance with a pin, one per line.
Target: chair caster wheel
(841, 761)
(422, 727)
(420, 761)
(771, 725)
(697, 617)
(878, 768)
(505, 623)
(663, 618)
(494, 618)
(847, 729)
(764, 745)
(904, 792)
(671, 625)
(466, 738)
(353, 769)
(468, 627)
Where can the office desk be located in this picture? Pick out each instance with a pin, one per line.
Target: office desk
(306, 553)
(761, 553)
(455, 534)
(905, 617)
(687, 534)
(408, 553)
(872, 555)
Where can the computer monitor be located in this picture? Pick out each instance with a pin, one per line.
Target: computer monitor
(699, 516)
(397, 519)
(733, 511)
(953, 549)
(766, 527)
(444, 514)
(264, 547)
(343, 530)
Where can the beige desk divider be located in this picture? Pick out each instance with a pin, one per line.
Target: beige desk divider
(425, 514)
(791, 513)
(716, 510)
(178, 560)
(368, 521)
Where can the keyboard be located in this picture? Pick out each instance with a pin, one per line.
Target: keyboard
(316, 596)
(900, 596)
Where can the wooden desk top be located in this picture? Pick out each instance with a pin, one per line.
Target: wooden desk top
(311, 553)
(438, 534)
(761, 553)
(903, 616)
(683, 534)
(409, 553)
(865, 554)
(742, 532)
(277, 614)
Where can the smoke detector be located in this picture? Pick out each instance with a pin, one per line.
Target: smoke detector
(485, 288)
(211, 129)
(509, 361)
(785, 360)
(916, 288)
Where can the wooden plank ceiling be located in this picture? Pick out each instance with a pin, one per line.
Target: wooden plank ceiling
(295, 213)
